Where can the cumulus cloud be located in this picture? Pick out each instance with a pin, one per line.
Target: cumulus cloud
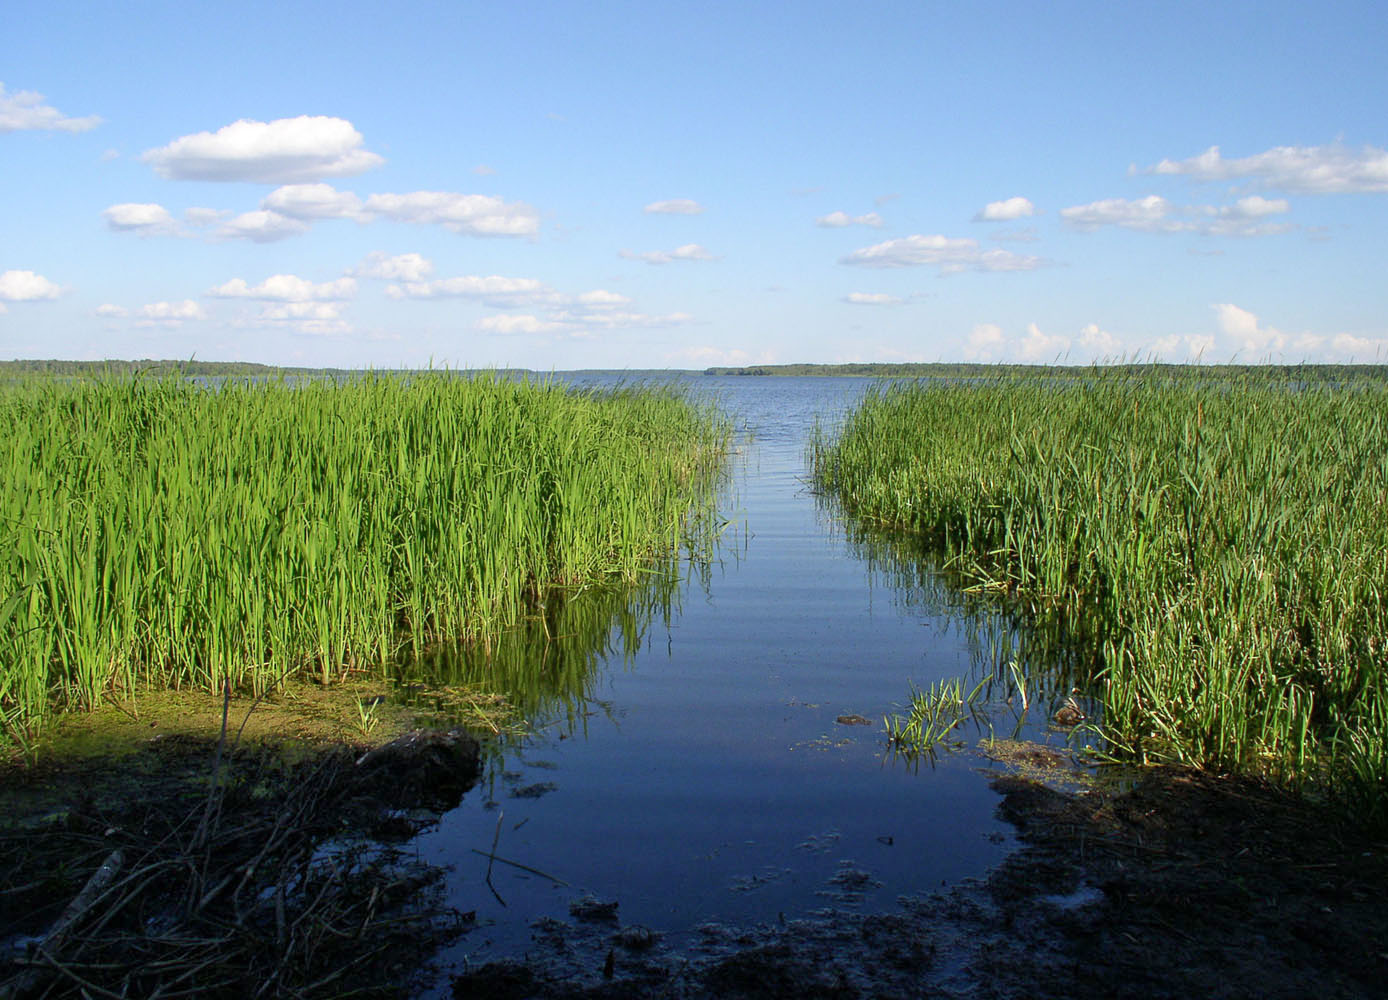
(690, 251)
(518, 324)
(1154, 214)
(872, 299)
(1334, 169)
(674, 206)
(1151, 213)
(261, 226)
(167, 314)
(312, 201)
(111, 311)
(839, 220)
(305, 317)
(142, 218)
(401, 267)
(494, 290)
(286, 288)
(1038, 346)
(1099, 344)
(24, 110)
(580, 320)
(1242, 329)
(1006, 210)
(600, 298)
(26, 286)
(948, 255)
(470, 214)
(985, 343)
(283, 151)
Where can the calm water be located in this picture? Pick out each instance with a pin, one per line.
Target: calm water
(687, 761)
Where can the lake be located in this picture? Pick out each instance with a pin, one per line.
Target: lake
(685, 759)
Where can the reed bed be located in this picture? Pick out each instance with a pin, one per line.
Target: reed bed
(1214, 546)
(166, 533)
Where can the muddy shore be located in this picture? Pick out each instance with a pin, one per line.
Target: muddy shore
(1181, 884)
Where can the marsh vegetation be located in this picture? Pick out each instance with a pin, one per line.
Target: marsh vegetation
(1207, 548)
(166, 533)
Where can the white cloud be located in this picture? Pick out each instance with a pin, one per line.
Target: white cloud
(482, 170)
(518, 324)
(690, 251)
(1335, 169)
(674, 206)
(24, 110)
(1249, 338)
(111, 311)
(312, 201)
(1006, 210)
(169, 314)
(495, 290)
(286, 288)
(306, 317)
(144, 218)
(472, 214)
(204, 216)
(600, 298)
(1154, 214)
(578, 322)
(26, 286)
(1361, 349)
(872, 299)
(949, 255)
(261, 227)
(838, 220)
(985, 343)
(1042, 347)
(284, 151)
(401, 267)
(1151, 213)
(1100, 344)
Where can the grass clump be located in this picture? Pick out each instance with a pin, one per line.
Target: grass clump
(1214, 544)
(158, 532)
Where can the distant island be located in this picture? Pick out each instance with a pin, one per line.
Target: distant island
(951, 370)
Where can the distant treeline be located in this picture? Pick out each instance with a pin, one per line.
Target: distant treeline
(150, 367)
(955, 371)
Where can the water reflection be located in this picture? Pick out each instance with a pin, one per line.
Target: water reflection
(547, 666)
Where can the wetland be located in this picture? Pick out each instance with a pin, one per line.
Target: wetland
(673, 793)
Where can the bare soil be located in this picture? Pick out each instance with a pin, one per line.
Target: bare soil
(275, 870)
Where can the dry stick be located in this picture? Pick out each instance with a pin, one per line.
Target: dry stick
(52, 941)
(496, 838)
(516, 864)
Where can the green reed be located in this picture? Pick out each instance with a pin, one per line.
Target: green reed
(159, 532)
(1214, 545)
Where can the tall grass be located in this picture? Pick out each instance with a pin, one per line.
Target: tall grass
(158, 532)
(1217, 548)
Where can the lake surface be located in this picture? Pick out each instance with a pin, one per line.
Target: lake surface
(686, 760)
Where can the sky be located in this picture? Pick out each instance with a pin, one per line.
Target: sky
(680, 185)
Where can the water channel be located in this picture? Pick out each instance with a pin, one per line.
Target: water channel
(685, 758)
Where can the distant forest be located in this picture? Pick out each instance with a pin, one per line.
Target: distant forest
(149, 367)
(883, 370)
(954, 371)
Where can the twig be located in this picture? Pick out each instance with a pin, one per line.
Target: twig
(524, 868)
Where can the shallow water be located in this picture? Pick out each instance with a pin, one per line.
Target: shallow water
(688, 763)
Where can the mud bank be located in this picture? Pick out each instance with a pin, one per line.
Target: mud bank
(1187, 884)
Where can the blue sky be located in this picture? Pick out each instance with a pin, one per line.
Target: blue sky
(557, 185)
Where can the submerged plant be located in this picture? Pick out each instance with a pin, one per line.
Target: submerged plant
(934, 714)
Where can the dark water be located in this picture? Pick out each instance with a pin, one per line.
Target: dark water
(687, 761)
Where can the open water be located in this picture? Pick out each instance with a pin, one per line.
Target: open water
(686, 760)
